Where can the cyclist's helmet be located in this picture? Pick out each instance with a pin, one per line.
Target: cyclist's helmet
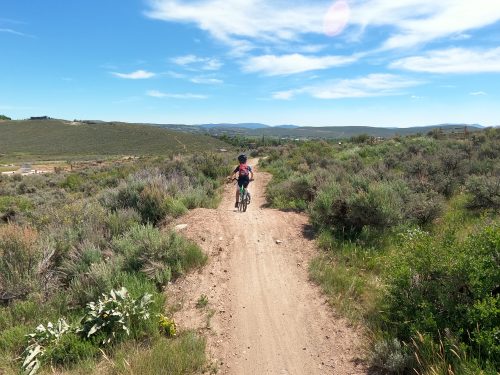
(242, 158)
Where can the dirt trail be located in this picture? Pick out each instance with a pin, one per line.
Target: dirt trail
(263, 315)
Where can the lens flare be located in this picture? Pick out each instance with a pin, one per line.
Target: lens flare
(336, 18)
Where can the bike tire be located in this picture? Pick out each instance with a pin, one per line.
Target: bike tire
(240, 203)
(244, 202)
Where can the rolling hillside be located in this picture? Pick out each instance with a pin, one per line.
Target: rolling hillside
(49, 139)
(312, 132)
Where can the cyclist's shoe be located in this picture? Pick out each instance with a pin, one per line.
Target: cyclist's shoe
(236, 205)
(248, 198)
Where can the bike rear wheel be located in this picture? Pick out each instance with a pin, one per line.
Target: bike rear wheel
(244, 202)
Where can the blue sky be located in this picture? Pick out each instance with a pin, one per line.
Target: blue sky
(315, 62)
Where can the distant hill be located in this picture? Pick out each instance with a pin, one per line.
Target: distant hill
(313, 132)
(240, 126)
(55, 139)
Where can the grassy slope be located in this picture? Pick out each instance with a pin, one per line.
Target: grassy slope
(55, 139)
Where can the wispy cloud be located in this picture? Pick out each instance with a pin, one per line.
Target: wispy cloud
(159, 94)
(372, 85)
(453, 60)
(233, 21)
(193, 61)
(206, 81)
(138, 74)
(421, 21)
(15, 32)
(244, 24)
(477, 93)
(291, 64)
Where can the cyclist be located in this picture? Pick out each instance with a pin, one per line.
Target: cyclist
(245, 175)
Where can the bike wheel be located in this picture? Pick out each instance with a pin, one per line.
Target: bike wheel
(240, 203)
(244, 202)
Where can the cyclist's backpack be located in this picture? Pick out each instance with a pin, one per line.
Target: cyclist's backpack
(243, 170)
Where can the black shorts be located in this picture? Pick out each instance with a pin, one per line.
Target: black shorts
(243, 181)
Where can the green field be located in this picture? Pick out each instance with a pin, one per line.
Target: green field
(56, 139)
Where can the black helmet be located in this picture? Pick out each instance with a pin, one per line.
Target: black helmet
(242, 158)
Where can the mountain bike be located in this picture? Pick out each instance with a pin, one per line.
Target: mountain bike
(244, 199)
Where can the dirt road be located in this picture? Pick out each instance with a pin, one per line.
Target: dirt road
(263, 315)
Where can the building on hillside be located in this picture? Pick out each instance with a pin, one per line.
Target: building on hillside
(39, 118)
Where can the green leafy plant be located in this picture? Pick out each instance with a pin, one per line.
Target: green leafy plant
(167, 325)
(39, 341)
(111, 316)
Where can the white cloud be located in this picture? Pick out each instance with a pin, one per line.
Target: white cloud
(235, 20)
(421, 21)
(206, 81)
(245, 24)
(14, 32)
(371, 85)
(159, 94)
(453, 60)
(478, 93)
(138, 74)
(203, 63)
(291, 64)
(285, 95)
(173, 74)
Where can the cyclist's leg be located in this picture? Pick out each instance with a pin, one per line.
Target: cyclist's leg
(237, 193)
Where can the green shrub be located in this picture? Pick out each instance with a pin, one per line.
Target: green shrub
(122, 220)
(484, 191)
(212, 165)
(293, 193)
(69, 349)
(21, 203)
(174, 207)
(13, 339)
(182, 355)
(423, 208)
(344, 208)
(441, 284)
(195, 197)
(12, 209)
(73, 182)
(125, 196)
(344, 286)
(100, 278)
(152, 205)
(158, 254)
(79, 261)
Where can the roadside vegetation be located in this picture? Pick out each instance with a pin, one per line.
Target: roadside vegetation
(411, 238)
(84, 258)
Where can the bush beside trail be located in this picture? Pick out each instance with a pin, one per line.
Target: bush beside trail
(412, 237)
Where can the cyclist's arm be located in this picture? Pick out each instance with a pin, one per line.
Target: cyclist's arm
(235, 172)
(251, 175)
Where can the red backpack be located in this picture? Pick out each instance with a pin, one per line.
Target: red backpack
(243, 170)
